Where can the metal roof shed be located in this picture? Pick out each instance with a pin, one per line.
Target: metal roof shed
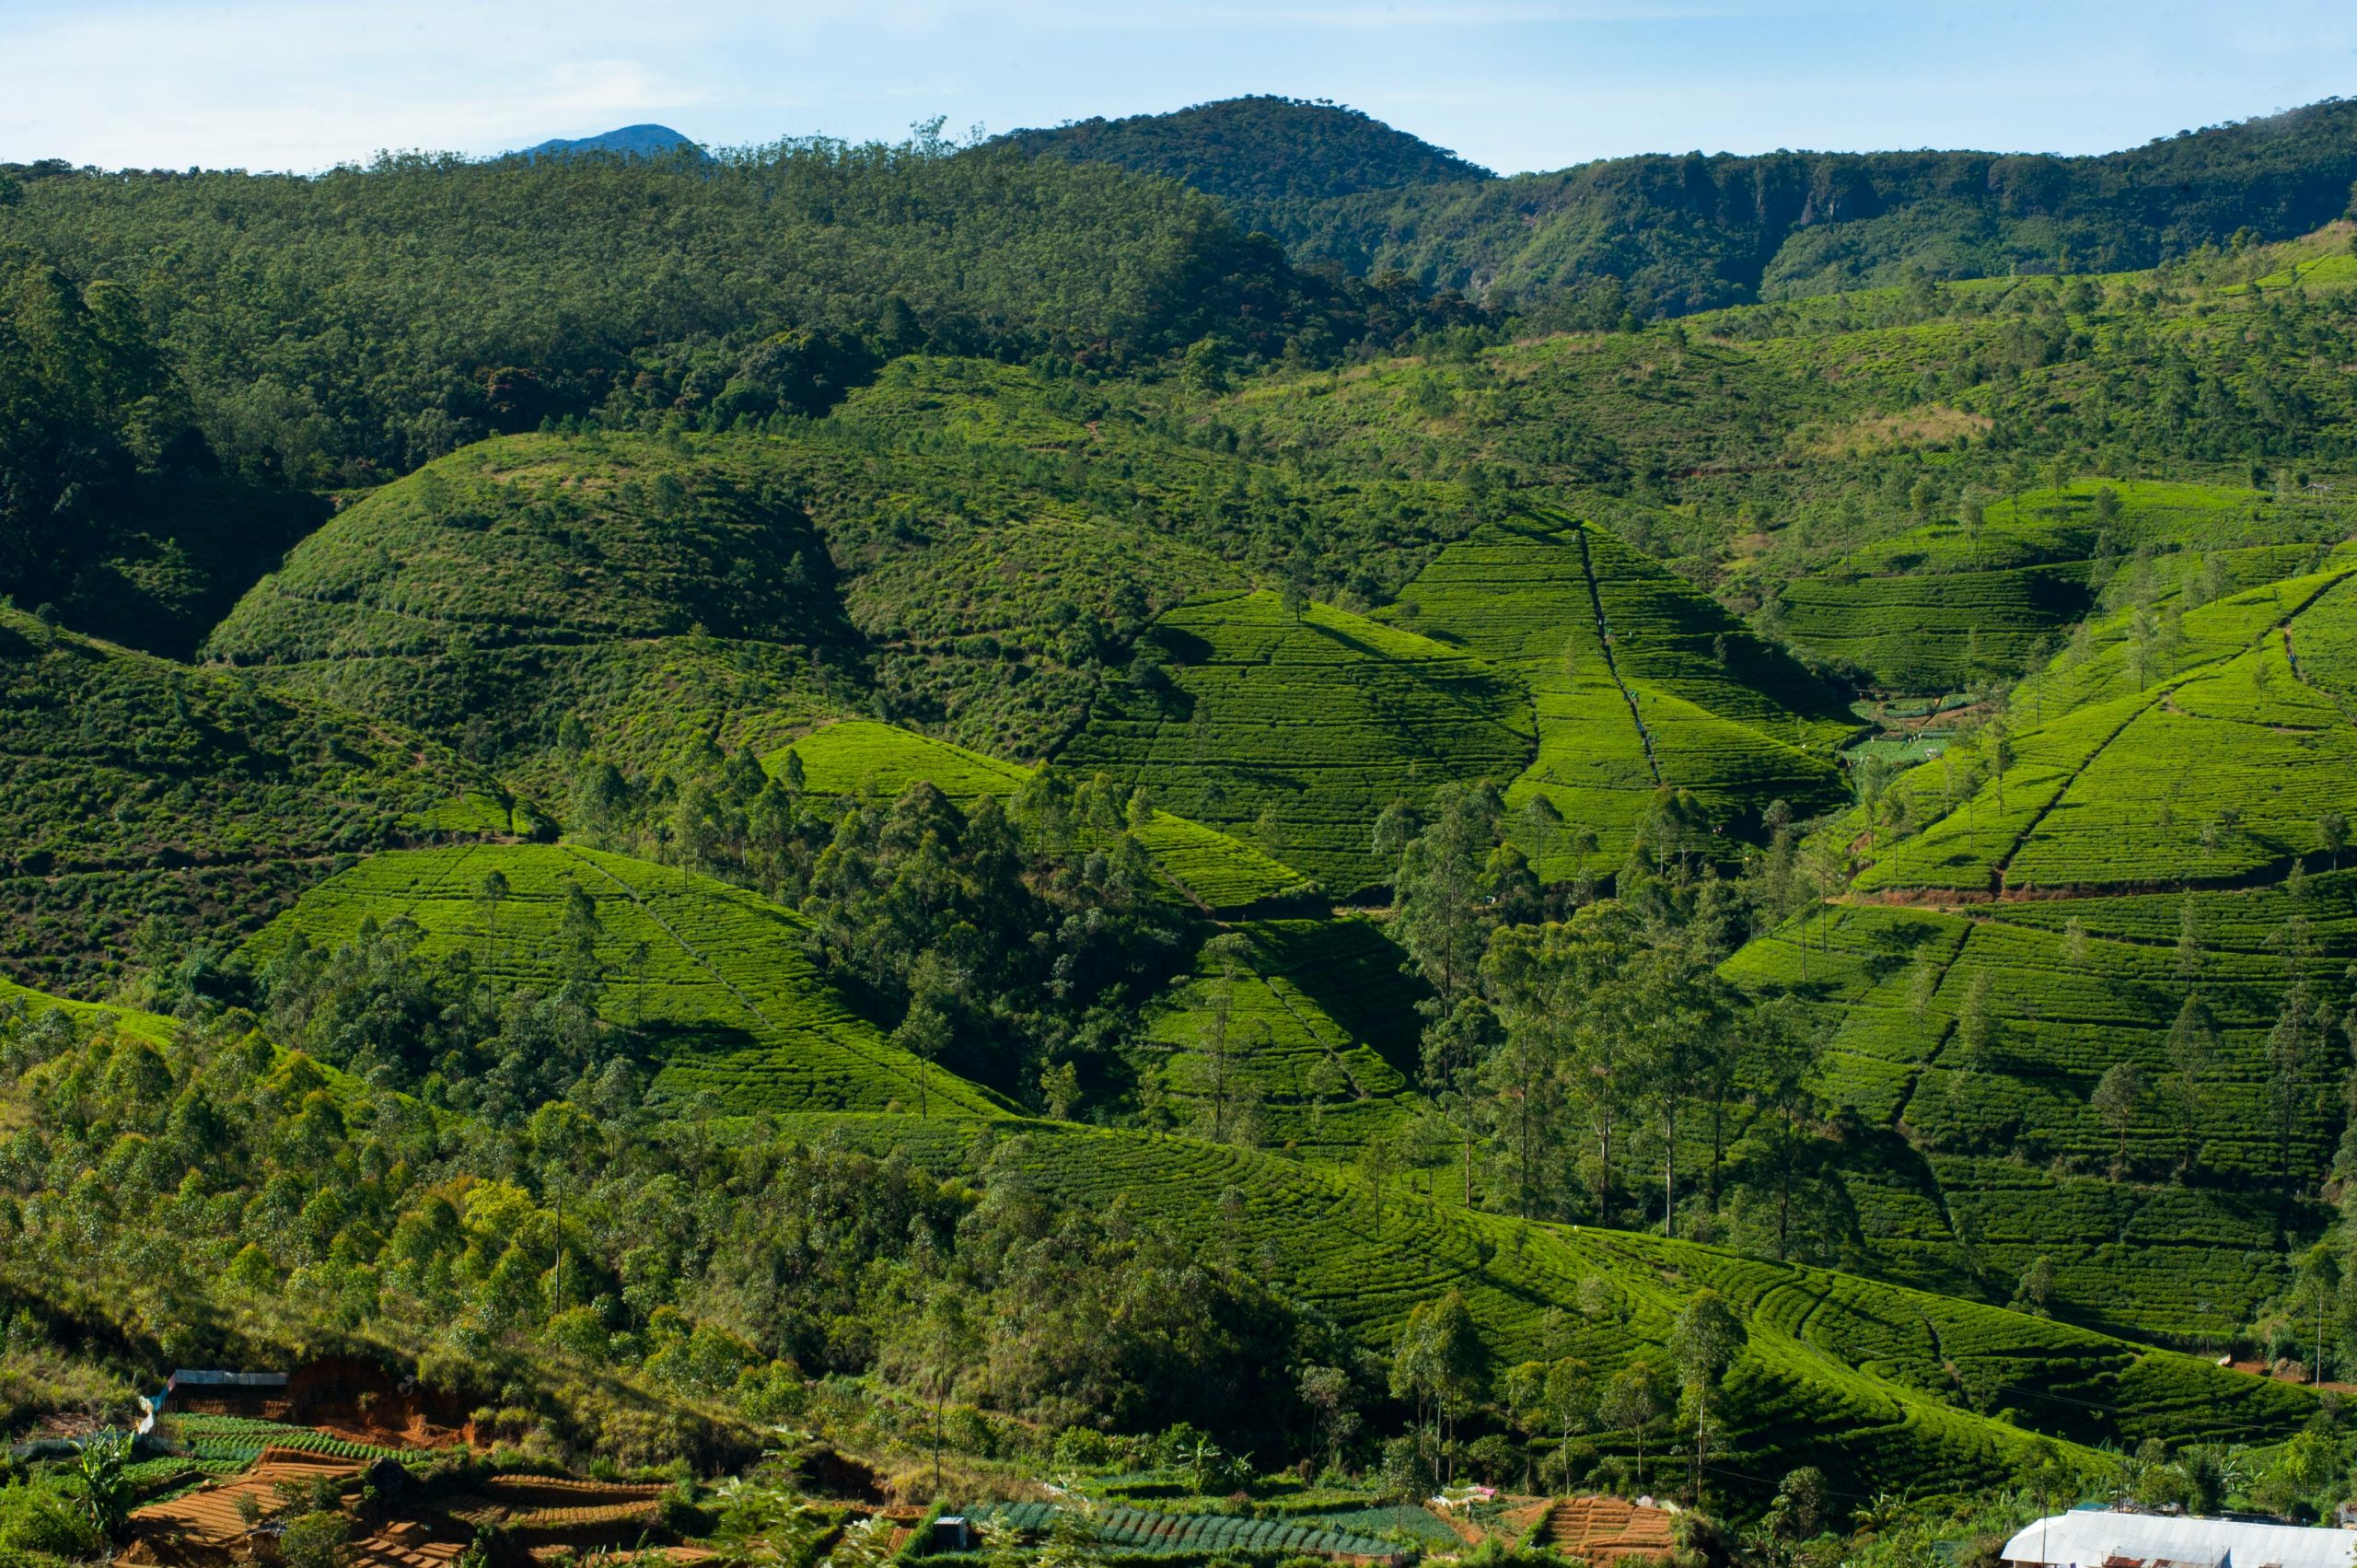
(2097, 1538)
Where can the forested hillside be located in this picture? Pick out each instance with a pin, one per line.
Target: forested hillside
(859, 828)
(1677, 234)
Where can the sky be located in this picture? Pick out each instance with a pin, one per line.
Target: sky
(1515, 85)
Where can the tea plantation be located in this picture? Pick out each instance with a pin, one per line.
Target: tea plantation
(645, 590)
(1217, 872)
(1640, 686)
(716, 978)
(1294, 729)
(1981, 1038)
(1876, 1383)
(1301, 1032)
(138, 790)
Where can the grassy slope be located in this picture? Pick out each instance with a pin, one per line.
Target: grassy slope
(1874, 1382)
(131, 787)
(1220, 874)
(734, 1005)
(1312, 990)
(150, 1026)
(652, 591)
(1653, 705)
(1910, 611)
(2113, 818)
(1322, 721)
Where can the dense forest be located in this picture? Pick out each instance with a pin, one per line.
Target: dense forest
(1196, 837)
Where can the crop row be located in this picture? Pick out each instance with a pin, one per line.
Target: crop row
(1192, 1534)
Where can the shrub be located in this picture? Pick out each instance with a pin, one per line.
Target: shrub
(41, 1516)
(316, 1540)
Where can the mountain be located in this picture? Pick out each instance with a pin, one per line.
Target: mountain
(1259, 152)
(1682, 232)
(630, 141)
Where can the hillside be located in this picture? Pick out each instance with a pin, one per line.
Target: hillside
(1295, 728)
(1646, 691)
(715, 978)
(1219, 874)
(1878, 1385)
(620, 582)
(138, 792)
(852, 830)
(1259, 154)
(1694, 232)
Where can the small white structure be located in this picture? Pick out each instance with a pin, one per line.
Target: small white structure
(2090, 1537)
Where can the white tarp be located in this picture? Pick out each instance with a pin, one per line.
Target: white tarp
(2090, 1537)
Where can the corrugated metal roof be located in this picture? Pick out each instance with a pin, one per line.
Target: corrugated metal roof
(2091, 1539)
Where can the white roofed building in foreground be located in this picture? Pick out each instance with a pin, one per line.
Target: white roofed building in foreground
(2093, 1538)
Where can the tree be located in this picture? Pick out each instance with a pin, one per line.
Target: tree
(579, 931)
(1632, 1403)
(1440, 919)
(2319, 1284)
(2036, 1293)
(1224, 1047)
(318, 1539)
(1705, 1341)
(490, 892)
(1457, 1049)
(2118, 1097)
(2192, 1044)
(1439, 1362)
(946, 1337)
(1060, 1088)
(1295, 595)
(1781, 1058)
(1332, 1396)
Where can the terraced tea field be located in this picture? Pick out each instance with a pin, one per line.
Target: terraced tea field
(1981, 1036)
(2218, 773)
(725, 988)
(1914, 611)
(1641, 685)
(653, 593)
(1876, 1383)
(1310, 1033)
(1220, 874)
(135, 788)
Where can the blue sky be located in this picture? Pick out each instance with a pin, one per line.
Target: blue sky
(1514, 83)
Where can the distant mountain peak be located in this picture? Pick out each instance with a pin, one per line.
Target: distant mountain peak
(630, 141)
(1258, 149)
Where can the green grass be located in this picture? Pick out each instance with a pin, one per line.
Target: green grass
(1215, 871)
(133, 789)
(1312, 725)
(733, 1003)
(1680, 697)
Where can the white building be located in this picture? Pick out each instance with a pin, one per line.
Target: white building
(2097, 1538)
